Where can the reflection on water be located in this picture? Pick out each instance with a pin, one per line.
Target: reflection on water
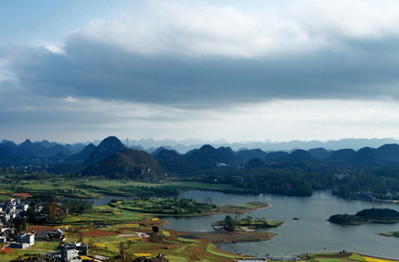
(105, 200)
(310, 233)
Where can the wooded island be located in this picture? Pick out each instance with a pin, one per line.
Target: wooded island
(372, 215)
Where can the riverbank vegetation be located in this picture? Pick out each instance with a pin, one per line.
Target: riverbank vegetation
(342, 256)
(373, 215)
(292, 179)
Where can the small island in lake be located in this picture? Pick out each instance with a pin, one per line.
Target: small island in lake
(244, 224)
(240, 230)
(390, 234)
(372, 215)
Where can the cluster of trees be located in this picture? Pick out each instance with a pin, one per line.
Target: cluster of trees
(59, 210)
(379, 213)
(229, 223)
(288, 180)
(382, 183)
(345, 219)
(395, 234)
(366, 215)
(19, 224)
(76, 206)
(300, 179)
(53, 209)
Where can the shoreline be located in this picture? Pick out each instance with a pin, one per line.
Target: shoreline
(222, 236)
(225, 209)
(330, 255)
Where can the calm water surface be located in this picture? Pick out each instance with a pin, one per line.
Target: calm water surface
(311, 233)
(105, 200)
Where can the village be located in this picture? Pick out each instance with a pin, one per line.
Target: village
(15, 236)
(63, 243)
(13, 215)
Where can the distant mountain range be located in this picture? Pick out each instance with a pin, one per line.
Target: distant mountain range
(210, 157)
(46, 148)
(184, 146)
(42, 149)
(111, 158)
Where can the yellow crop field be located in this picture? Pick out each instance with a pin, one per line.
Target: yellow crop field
(126, 225)
(142, 254)
(371, 259)
(135, 238)
(99, 245)
(165, 233)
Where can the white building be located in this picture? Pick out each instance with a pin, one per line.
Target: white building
(70, 254)
(3, 239)
(26, 239)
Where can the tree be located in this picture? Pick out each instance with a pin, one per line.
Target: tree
(31, 214)
(155, 229)
(19, 224)
(53, 211)
(229, 223)
(208, 200)
(122, 250)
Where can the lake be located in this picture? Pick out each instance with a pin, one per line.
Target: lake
(310, 234)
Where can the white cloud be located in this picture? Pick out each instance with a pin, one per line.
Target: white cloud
(55, 49)
(308, 120)
(351, 19)
(197, 29)
(203, 29)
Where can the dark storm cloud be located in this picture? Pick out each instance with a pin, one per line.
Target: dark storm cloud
(89, 69)
(177, 56)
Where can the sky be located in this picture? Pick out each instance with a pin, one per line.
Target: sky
(262, 70)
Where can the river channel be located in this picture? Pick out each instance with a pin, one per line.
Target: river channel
(309, 234)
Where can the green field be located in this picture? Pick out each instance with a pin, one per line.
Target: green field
(93, 188)
(165, 206)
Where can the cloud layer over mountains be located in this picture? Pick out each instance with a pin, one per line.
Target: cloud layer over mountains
(176, 60)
